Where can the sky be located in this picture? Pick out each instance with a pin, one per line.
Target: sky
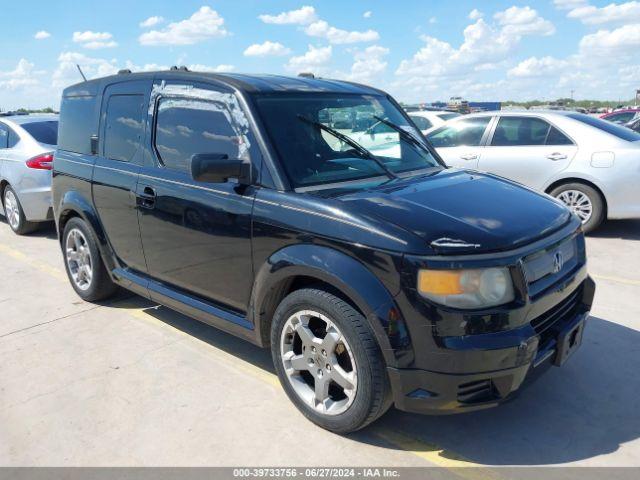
(418, 50)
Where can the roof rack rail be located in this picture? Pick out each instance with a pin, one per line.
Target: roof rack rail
(306, 75)
(124, 71)
(181, 68)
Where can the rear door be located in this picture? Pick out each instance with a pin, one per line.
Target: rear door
(4, 142)
(122, 128)
(459, 142)
(528, 150)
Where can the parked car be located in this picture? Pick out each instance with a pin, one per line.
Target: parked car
(27, 143)
(373, 279)
(587, 163)
(428, 120)
(622, 116)
(634, 125)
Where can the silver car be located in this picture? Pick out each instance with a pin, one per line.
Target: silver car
(591, 165)
(27, 143)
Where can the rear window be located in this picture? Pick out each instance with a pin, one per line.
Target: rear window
(77, 123)
(609, 127)
(43, 132)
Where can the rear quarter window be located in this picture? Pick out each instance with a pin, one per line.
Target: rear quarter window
(78, 122)
(611, 128)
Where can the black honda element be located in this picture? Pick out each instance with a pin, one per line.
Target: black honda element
(311, 216)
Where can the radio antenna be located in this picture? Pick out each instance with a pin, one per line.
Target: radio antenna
(80, 70)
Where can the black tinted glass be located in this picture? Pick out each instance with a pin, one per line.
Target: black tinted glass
(123, 127)
(520, 131)
(467, 132)
(43, 132)
(4, 135)
(556, 137)
(78, 122)
(421, 122)
(13, 139)
(188, 127)
(619, 131)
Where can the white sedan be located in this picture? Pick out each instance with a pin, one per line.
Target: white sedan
(427, 120)
(591, 165)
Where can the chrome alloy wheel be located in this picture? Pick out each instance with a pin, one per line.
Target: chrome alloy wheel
(11, 209)
(578, 203)
(318, 362)
(79, 259)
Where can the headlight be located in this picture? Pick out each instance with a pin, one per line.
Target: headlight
(467, 289)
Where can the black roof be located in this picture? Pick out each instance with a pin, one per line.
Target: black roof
(250, 83)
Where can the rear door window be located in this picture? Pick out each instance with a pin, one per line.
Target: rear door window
(43, 132)
(4, 136)
(520, 131)
(556, 137)
(421, 122)
(124, 127)
(186, 127)
(467, 132)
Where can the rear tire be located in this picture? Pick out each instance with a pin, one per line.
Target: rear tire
(328, 361)
(83, 263)
(14, 214)
(583, 200)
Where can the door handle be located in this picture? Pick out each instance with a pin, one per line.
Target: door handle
(469, 156)
(146, 198)
(556, 156)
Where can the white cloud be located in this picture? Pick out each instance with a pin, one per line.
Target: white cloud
(433, 20)
(609, 43)
(367, 14)
(267, 48)
(369, 64)
(523, 21)
(207, 68)
(475, 14)
(21, 76)
(41, 35)
(67, 73)
(538, 67)
(314, 60)
(628, 12)
(302, 16)
(94, 40)
(337, 36)
(151, 21)
(89, 36)
(202, 25)
(569, 4)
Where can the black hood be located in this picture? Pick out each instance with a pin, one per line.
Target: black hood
(456, 211)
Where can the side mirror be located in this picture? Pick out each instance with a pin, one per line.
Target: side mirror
(218, 168)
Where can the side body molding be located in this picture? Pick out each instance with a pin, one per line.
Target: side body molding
(347, 275)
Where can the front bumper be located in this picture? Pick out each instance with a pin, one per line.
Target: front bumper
(531, 349)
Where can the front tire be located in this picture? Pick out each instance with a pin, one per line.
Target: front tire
(583, 200)
(14, 214)
(84, 265)
(328, 361)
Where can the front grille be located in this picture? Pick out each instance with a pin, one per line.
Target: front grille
(542, 270)
(476, 392)
(545, 323)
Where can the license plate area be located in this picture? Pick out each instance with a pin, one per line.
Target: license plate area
(569, 340)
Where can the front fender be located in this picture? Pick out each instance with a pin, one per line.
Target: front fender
(346, 274)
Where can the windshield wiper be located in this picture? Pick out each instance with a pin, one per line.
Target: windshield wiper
(364, 153)
(403, 133)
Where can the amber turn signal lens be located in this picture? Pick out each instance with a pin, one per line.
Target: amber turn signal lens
(440, 282)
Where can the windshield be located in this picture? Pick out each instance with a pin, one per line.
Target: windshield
(43, 132)
(314, 156)
(609, 127)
